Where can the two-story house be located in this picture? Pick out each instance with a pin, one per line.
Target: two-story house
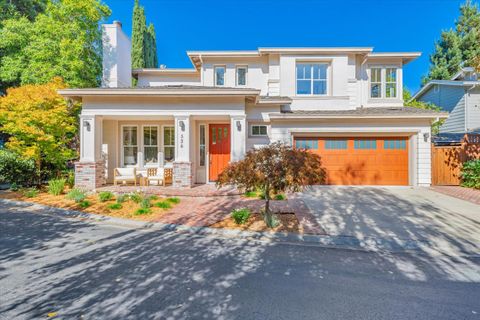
(343, 103)
(460, 96)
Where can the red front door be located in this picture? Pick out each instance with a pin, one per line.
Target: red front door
(219, 149)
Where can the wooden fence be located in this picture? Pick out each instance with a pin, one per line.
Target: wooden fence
(447, 160)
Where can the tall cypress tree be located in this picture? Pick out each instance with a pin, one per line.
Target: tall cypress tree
(152, 46)
(457, 47)
(139, 28)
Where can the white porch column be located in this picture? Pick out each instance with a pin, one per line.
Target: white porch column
(89, 171)
(238, 127)
(182, 166)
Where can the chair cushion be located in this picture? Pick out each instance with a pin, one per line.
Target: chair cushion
(125, 171)
(125, 178)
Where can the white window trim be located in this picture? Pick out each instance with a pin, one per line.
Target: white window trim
(327, 82)
(163, 140)
(246, 75)
(122, 162)
(206, 145)
(215, 75)
(383, 76)
(143, 144)
(258, 135)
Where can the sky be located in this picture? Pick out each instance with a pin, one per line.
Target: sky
(386, 25)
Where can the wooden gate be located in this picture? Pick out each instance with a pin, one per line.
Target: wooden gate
(447, 160)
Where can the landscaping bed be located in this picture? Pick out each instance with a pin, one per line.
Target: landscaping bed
(128, 209)
(287, 222)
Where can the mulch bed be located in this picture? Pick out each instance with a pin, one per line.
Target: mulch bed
(288, 223)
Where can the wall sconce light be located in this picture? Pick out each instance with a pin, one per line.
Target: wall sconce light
(426, 136)
(182, 125)
(86, 124)
(239, 125)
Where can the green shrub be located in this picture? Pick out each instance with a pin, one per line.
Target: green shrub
(14, 187)
(471, 174)
(76, 195)
(56, 186)
(121, 198)
(114, 206)
(105, 196)
(16, 170)
(136, 197)
(240, 216)
(153, 197)
(251, 194)
(145, 203)
(30, 193)
(142, 211)
(280, 197)
(70, 178)
(262, 196)
(84, 204)
(163, 205)
(174, 200)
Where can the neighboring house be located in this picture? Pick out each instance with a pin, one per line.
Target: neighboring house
(343, 103)
(460, 96)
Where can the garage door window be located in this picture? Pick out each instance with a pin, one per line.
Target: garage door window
(365, 144)
(306, 144)
(335, 144)
(395, 144)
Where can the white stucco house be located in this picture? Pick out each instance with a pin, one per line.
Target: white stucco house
(343, 103)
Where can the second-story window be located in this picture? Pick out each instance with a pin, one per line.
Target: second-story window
(383, 82)
(219, 75)
(312, 78)
(241, 75)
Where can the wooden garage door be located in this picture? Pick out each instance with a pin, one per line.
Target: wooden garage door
(361, 160)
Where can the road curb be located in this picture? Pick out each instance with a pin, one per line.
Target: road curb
(327, 241)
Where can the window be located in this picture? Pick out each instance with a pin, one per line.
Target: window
(376, 82)
(219, 76)
(306, 144)
(335, 144)
(130, 146)
(202, 145)
(259, 130)
(242, 76)
(391, 82)
(383, 82)
(150, 145)
(312, 78)
(365, 144)
(169, 143)
(395, 144)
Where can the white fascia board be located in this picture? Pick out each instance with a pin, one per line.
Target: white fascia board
(405, 56)
(149, 92)
(165, 71)
(316, 50)
(232, 53)
(443, 83)
(276, 116)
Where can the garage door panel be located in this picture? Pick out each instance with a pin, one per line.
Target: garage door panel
(365, 161)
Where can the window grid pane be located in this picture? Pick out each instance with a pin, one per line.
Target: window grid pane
(259, 130)
(335, 144)
(376, 82)
(241, 76)
(219, 76)
(202, 146)
(365, 144)
(169, 143)
(395, 144)
(130, 147)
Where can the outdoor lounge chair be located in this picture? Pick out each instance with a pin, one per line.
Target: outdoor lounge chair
(125, 175)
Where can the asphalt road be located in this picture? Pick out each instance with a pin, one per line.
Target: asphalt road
(74, 269)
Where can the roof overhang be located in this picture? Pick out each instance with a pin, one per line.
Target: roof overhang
(406, 57)
(316, 50)
(78, 94)
(159, 71)
(426, 87)
(197, 56)
(290, 116)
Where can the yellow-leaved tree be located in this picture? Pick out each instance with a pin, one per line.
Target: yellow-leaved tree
(41, 126)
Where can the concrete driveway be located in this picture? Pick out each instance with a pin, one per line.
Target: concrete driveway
(448, 225)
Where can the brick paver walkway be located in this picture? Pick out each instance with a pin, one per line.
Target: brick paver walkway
(467, 194)
(205, 211)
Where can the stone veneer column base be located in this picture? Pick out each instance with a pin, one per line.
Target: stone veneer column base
(89, 175)
(182, 174)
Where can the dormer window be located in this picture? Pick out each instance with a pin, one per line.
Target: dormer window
(241, 76)
(219, 75)
(383, 82)
(312, 78)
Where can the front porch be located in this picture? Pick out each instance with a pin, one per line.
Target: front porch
(192, 149)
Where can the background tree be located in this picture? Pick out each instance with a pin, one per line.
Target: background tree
(139, 29)
(63, 41)
(152, 61)
(409, 102)
(21, 8)
(41, 126)
(274, 169)
(456, 47)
